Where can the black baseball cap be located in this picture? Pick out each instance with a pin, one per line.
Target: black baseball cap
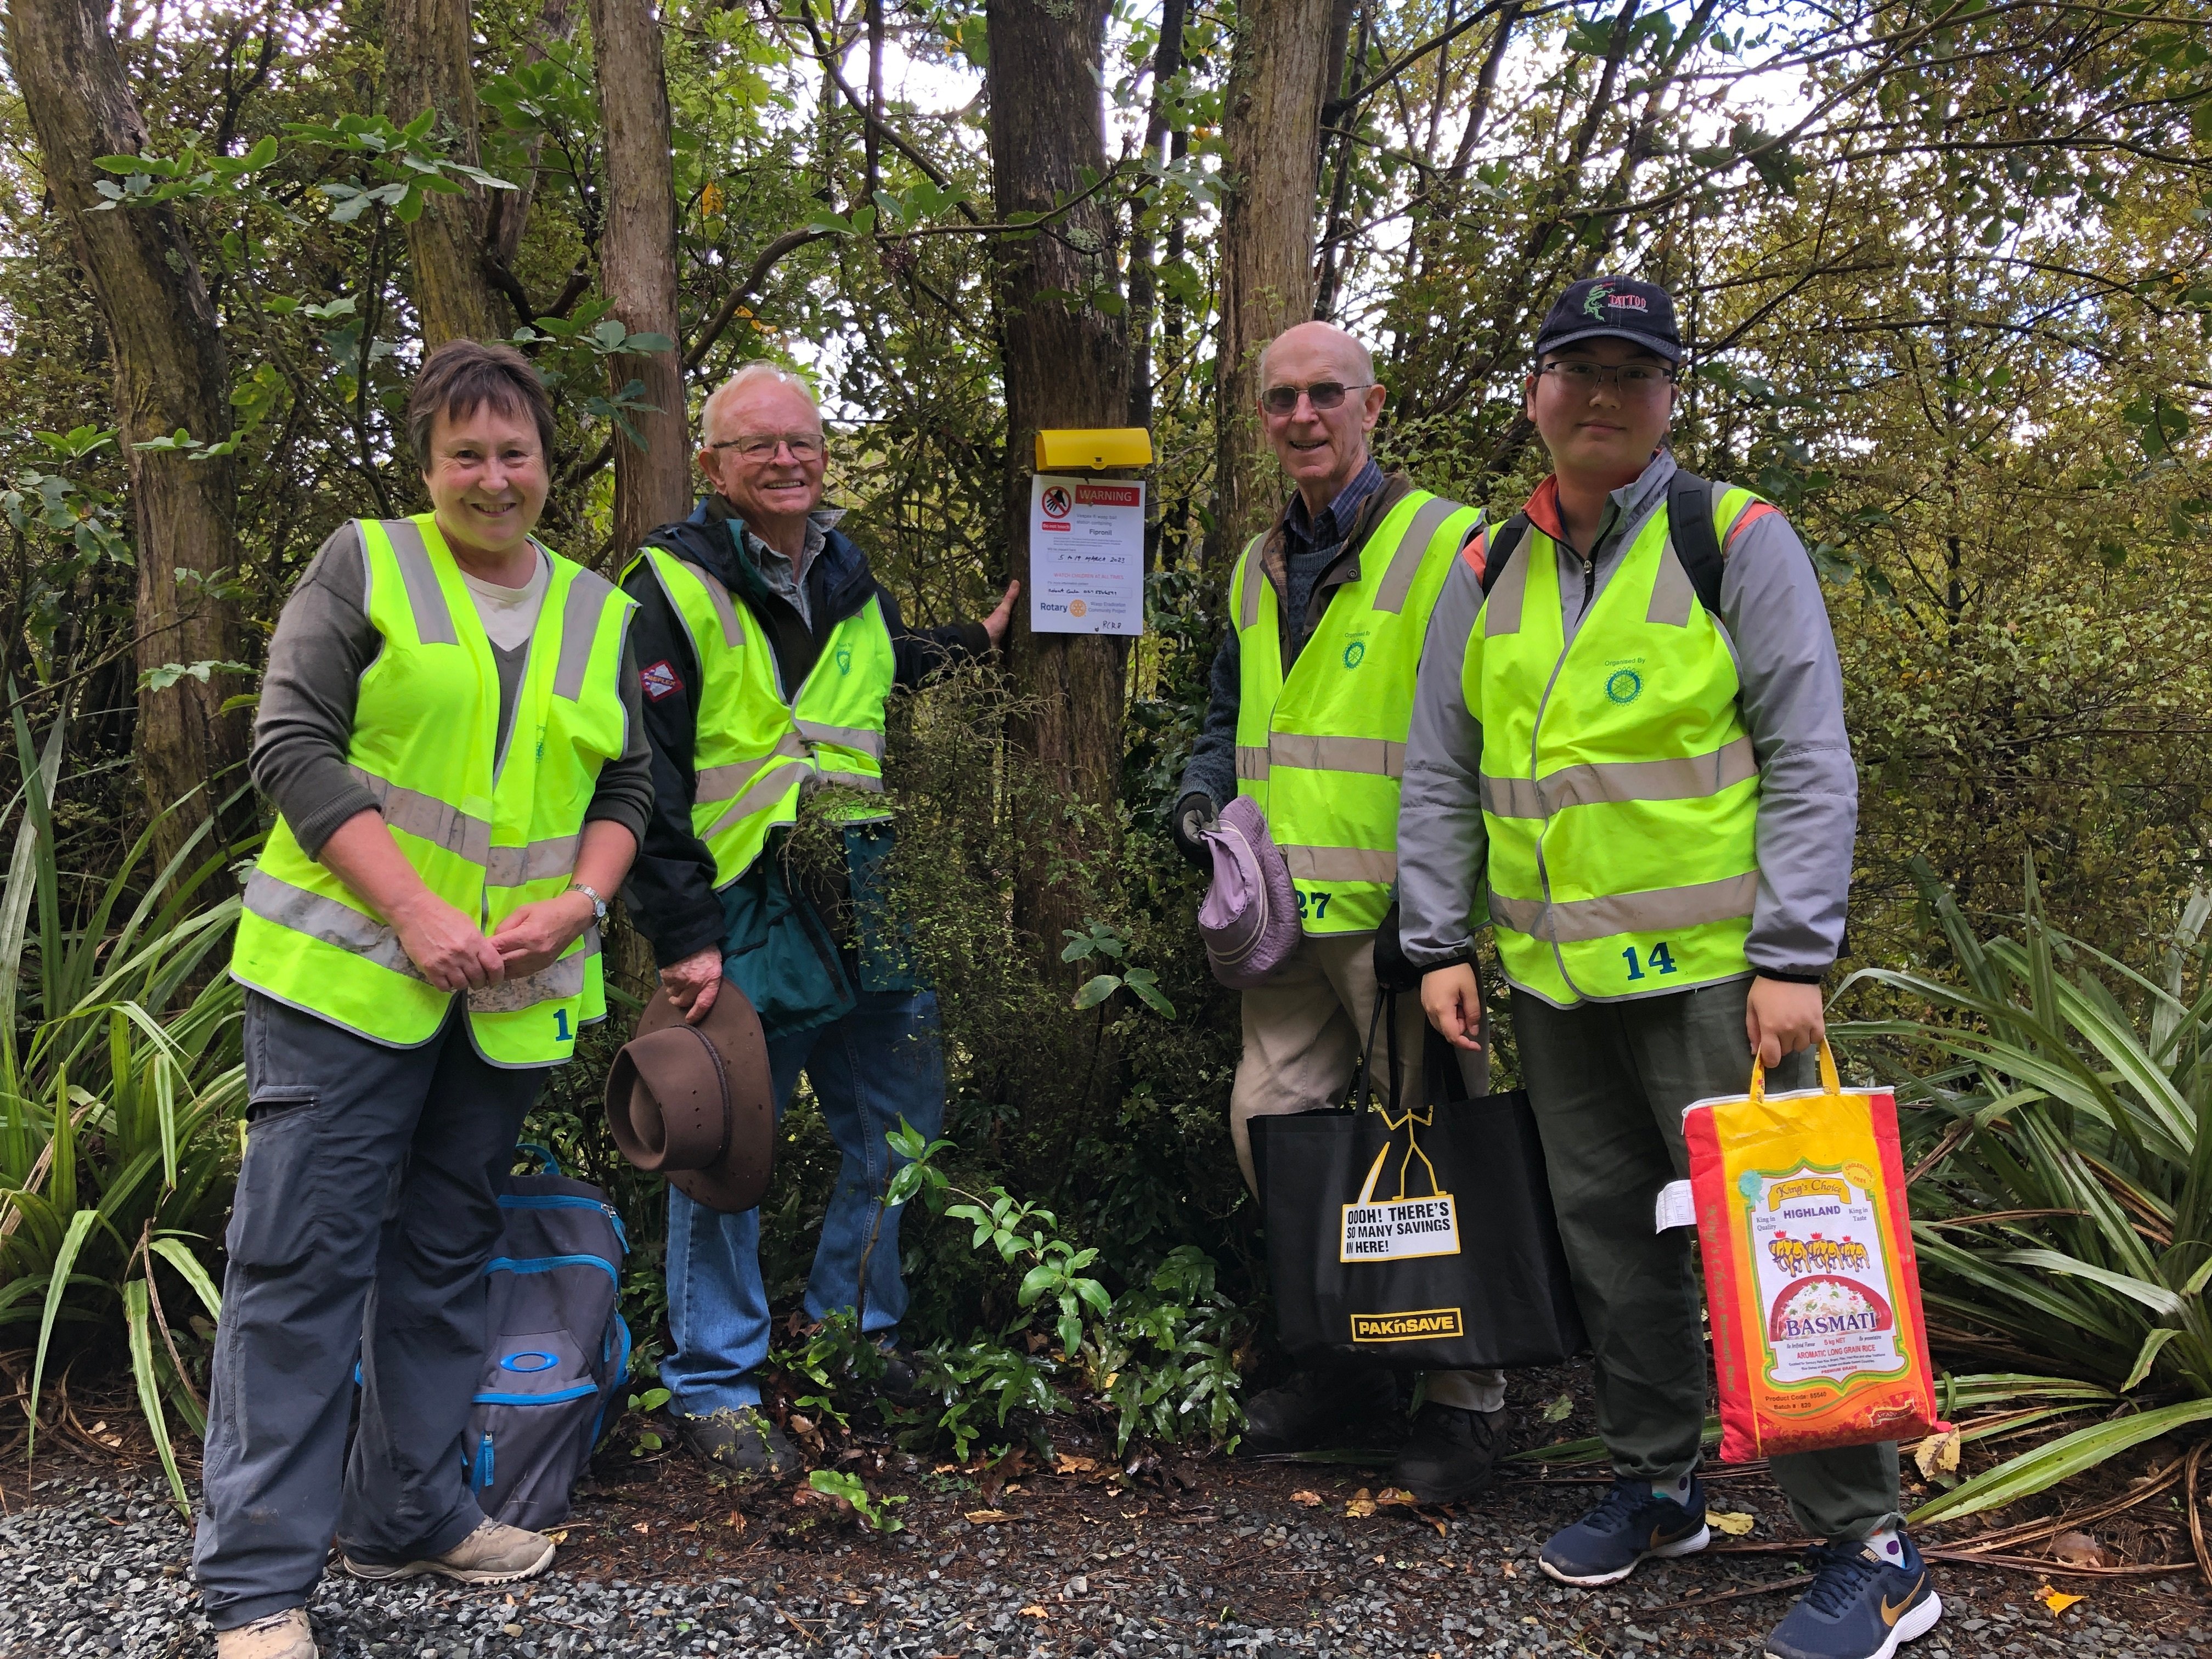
(1612, 307)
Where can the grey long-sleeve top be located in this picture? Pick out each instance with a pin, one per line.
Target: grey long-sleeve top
(322, 644)
(1792, 699)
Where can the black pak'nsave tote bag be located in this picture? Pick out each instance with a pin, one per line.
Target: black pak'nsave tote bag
(1422, 1238)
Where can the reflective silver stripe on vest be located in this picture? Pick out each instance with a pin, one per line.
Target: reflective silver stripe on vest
(1248, 609)
(588, 595)
(1378, 757)
(766, 788)
(555, 982)
(427, 818)
(1501, 612)
(1658, 911)
(864, 781)
(1672, 596)
(278, 901)
(434, 622)
(722, 783)
(541, 860)
(1251, 762)
(1341, 864)
(1689, 777)
(845, 737)
(1398, 581)
(724, 608)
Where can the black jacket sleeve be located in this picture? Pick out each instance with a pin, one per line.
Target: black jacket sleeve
(919, 655)
(1212, 769)
(671, 889)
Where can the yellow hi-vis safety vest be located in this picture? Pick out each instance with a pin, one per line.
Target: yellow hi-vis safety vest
(488, 831)
(1618, 787)
(1322, 750)
(755, 754)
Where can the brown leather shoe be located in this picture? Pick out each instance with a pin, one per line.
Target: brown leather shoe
(280, 1635)
(494, 1554)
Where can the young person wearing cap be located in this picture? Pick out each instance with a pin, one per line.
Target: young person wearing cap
(1654, 782)
(768, 651)
(1312, 690)
(449, 730)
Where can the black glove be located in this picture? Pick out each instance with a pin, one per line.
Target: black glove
(1193, 815)
(1392, 971)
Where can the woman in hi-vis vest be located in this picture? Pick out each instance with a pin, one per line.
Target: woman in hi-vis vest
(450, 735)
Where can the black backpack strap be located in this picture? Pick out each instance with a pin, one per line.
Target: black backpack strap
(1689, 527)
(1498, 552)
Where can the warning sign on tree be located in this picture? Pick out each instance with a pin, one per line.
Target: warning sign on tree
(1086, 556)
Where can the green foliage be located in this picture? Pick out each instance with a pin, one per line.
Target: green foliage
(1161, 1357)
(877, 1514)
(121, 1094)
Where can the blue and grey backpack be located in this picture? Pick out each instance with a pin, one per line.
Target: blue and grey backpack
(559, 1348)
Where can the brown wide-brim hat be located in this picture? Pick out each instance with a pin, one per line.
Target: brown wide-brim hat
(696, 1102)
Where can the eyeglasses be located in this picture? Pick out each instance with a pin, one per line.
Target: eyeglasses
(804, 446)
(1587, 378)
(1280, 400)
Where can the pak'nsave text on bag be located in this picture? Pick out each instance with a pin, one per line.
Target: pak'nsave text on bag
(1810, 1277)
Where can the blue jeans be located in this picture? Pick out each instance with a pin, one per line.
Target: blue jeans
(878, 1064)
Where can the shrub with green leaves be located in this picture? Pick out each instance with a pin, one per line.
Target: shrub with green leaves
(2066, 1213)
(121, 1097)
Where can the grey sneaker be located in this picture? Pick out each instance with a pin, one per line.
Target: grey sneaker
(742, 1441)
(494, 1554)
(280, 1635)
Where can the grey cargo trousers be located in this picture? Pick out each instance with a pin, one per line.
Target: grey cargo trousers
(366, 1210)
(1608, 1081)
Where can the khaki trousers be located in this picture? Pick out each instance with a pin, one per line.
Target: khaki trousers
(1303, 1031)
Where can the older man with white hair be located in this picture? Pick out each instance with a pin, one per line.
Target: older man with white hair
(1310, 695)
(767, 650)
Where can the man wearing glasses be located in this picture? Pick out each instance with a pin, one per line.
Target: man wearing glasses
(767, 650)
(1630, 722)
(1310, 694)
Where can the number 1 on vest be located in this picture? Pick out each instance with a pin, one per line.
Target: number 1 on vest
(560, 1026)
(1658, 958)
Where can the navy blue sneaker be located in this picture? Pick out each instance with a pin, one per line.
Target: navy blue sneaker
(1633, 1521)
(1861, 1605)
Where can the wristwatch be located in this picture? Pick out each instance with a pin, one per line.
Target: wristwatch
(598, 904)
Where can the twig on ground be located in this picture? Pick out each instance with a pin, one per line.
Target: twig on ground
(2196, 1519)
(1766, 1589)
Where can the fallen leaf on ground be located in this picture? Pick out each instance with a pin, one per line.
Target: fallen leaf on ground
(560, 1537)
(2057, 1600)
(1311, 1500)
(1067, 1465)
(1016, 1488)
(946, 1468)
(1033, 1611)
(986, 1517)
(736, 1523)
(1560, 1409)
(1938, 1454)
(1509, 1570)
(2079, 1549)
(1734, 1522)
(1361, 1505)
(642, 1526)
(1396, 1498)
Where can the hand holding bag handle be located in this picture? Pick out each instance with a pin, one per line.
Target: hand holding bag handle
(1830, 1084)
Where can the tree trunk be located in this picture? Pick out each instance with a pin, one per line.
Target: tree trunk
(428, 65)
(169, 372)
(1277, 78)
(1067, 364)
(637, 267)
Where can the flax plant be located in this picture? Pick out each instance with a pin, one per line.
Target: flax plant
(2066, 1213)
(121, 1093)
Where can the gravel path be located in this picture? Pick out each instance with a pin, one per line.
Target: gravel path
(1220, 1560)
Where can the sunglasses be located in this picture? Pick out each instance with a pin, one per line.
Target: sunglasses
(1280, 400)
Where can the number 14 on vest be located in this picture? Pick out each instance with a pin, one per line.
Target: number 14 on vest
(1086, 556)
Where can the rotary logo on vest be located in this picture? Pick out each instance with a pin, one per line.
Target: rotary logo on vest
(1354, 653)
(1410, 1327)
(1624, 685)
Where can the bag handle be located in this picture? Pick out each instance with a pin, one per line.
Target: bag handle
(547, 1164)
(1829, 1082)
(1405, 1120)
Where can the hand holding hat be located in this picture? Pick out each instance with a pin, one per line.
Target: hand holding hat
(696, 1103)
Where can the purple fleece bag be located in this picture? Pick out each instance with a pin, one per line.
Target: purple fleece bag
(1250, 916)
